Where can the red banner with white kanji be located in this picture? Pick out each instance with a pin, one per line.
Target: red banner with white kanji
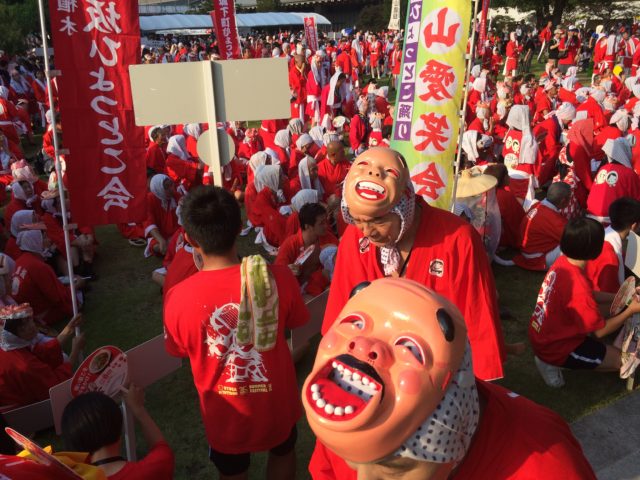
(483, 27)
(430, 91)
(94, 42)
(224, 22)
(311, 33)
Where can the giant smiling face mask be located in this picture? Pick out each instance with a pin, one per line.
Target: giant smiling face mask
(383, 368)
(375, 183)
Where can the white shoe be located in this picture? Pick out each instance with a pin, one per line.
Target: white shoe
(551, 374)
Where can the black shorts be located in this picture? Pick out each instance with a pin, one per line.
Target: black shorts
(587, 356)
(234, 464)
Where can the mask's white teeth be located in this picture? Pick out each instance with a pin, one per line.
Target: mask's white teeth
(356, 376)
(348, 410)
(334, 364)
(320, 403)
(316, 396)
(315, 388)
(339, 411)
(365, 381)
(347, 372)
(340, 367)
(328, 409)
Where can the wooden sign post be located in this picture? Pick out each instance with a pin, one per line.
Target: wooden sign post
(220, 91)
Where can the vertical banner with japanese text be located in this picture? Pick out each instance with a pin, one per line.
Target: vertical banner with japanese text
(95, 41)
(394, 18)
(430, 92)
(311, 33)
(483, 27)
(224, 22)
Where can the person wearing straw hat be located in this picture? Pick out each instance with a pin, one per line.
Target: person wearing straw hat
(476, 191)
(30, 362)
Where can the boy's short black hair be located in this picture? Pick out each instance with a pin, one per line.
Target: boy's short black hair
(582, 239)
(309, 213)
(624, 212)
(211, 217)
(91, 421)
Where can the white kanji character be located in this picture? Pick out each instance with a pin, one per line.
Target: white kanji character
(113, 47)
(105, 23)
(68, 6)
(115, 154)
(114, 129)
(101, 84)
(68, 26)
(115, 194)
(102, 99)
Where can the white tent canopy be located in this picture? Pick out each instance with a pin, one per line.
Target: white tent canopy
(159, 23)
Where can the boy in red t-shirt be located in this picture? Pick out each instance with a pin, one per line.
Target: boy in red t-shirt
(566, 325)
(229, 319)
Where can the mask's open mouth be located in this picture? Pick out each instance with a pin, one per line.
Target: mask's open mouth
(370, 190)
(343, 388)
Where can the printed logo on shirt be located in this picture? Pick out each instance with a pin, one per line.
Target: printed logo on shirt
(436, 267)
(610, 178)
(540, 312)
(242, 363)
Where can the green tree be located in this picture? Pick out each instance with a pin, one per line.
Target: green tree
(267, 5)
(546, 9)
(376, 17)
(18, 18)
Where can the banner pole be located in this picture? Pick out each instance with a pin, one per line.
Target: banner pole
(56, 147)
(463, 113)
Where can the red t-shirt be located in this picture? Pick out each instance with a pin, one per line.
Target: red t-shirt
(331, 176)
(565, 313)
(603, 271)
(248, 399)
(516, 439)
(158, 464)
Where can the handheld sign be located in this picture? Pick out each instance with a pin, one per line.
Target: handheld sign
(624, 296)
(632, 256)
(220, 91)
(105, 370)
(42, 457)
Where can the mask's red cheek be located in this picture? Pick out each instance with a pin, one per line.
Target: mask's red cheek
(329, 341)
(409, 382)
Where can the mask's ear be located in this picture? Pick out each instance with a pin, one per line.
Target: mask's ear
(358, 288)
(446, 324)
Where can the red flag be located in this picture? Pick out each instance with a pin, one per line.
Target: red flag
(95, 41)
(224, 22)
(483, 26)
(311, 32)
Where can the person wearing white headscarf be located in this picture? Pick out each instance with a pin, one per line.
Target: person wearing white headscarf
(271, 223)
(281, 148)
(308, 175)
(180, 167)
(162, 221)
(333, 97)
(614, 180)
(518, 120)
(35, 282)
(192, 132)
(314, 86)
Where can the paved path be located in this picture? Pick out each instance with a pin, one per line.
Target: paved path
(610, 438)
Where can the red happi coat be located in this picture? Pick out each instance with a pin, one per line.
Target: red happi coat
(448, 257)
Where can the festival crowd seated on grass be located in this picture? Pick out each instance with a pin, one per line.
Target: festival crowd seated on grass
(321, 204)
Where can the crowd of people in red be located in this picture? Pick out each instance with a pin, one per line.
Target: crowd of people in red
(333, 208)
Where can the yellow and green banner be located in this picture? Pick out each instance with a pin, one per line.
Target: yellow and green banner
(430, 92)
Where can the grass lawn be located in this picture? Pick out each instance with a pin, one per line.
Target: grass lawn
(124, 308)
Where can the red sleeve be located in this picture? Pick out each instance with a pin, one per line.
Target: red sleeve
(38, 377)
(557, 227)
(45, 278)
(50, 352)
(172, 343)
(289, 291)
(286, 253)
(348, 273)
